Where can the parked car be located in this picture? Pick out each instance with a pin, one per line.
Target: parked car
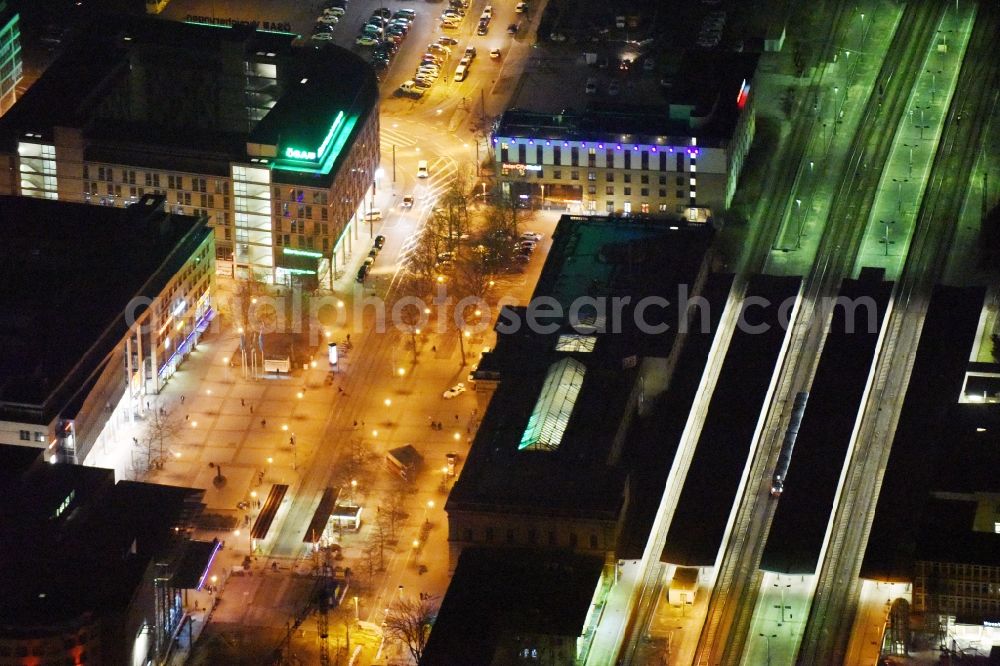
(522, 258)
(322, 37)
(512, 29)
(407, 13)
(483, 28)
(373, 215)
(327, 19)
(532, 235)
(456, 390)
(363, 40)
(494, 53)
(591, 87)
(383, 12)
(488, 10)
(521, 7)
(447, 41)
(362, 273)
(470, 52)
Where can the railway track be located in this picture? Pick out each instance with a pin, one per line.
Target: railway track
(828, 628)
(733, 597)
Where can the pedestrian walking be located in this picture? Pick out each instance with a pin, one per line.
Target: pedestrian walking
(251, 409)
(182, 400)
(456, 417)
(187, 416)
(355, 425)
(263, 423)
(243, 403)
(147, 405)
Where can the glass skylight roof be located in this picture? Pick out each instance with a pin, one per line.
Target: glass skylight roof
(574, 342)
(555, 405)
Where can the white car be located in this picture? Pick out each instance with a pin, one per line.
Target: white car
(322, 37)
(456, 390)
(328, 19)
(488, 10)
(422, 171)
(408, 201)
(532, 236)
(373, 216)
(521, 7)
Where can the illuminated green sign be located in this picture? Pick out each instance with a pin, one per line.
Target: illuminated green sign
(302, 253)
(311, 155)
(322, 158)
(295, 154)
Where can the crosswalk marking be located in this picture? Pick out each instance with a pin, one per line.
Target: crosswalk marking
(392, 137)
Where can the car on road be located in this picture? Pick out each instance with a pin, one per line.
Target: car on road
(591, 87)
(465, 62)
(495, 53)
(470, 52)
(488, 10)
(512, 29)
(521, 7)
(483, 28)
(439, 48)
(408, 201)
(362, 273)
(373, 215)
(379, 241)
(447, 41)
(532, 235)
(455, 391)
(422, 169)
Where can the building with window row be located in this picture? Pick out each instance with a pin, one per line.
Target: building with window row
(274, 145)
(684, 158)
(90, 331)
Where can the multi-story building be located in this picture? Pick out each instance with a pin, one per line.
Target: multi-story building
(275, 146)
(11, 68)
(546, 469)
(684, 158)
(103, 580)
(99, 307)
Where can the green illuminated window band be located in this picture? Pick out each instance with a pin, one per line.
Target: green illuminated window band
(302, 253)
(297, 271)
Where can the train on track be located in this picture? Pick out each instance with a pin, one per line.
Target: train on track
(785, 457)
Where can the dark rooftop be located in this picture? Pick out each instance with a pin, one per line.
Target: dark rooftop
(804, 508)
(703, 104)
(88, 541)
(652, 441)
(956, 528)
(63, 302)
(594, 257)
(937, 444)
(717, 467)
(497, 596)
(124, 76)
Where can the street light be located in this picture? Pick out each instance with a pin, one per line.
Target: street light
(911, 146)
(768, 638)
(899, 192)
(885, 240)
(354, 487)
(933, 73)
(782, 589)
(428, 507)
(798, 214)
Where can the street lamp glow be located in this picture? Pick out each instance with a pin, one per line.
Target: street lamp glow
(270, 460)
(430, 504)
(240, 330)
(284, 426)
(401, 371)
(177, 454)
(236, 532)
(225, 360)
(416, 543)
(466, 333)
(194, 424)
(340, 304)
(379, 172)
(457, 436)
(387, 402)
(374, 433)
(313, 364)
(299, 395)
(208, 391)
(253, 494)
(427, 310)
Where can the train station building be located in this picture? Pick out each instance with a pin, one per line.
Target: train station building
(276, 146)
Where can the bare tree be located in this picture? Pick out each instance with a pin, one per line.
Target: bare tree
(397, 500)
(409, 622)
(472, 273)
(161, 428)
